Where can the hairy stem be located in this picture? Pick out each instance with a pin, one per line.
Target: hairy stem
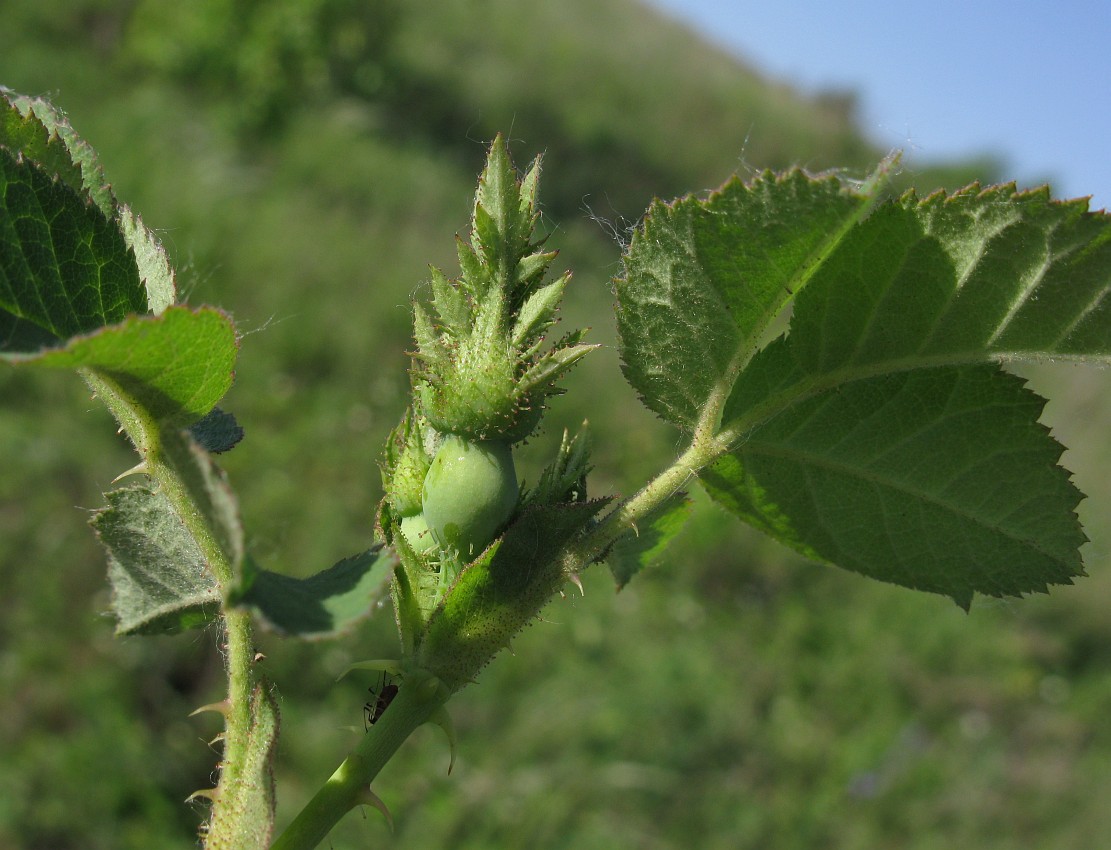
(167, 460)
(625, 516)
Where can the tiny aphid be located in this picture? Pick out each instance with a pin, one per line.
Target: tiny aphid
(380, 701)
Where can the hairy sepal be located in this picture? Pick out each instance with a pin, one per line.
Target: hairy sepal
(503, 591)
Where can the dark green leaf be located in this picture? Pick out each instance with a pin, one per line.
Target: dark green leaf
(65, 268)
(160, 582)
(37, 129)
(937, 479)
(325, 604)
(217, 431)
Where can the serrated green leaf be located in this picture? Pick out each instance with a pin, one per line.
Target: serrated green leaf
(326, 604)
(159, 579)
(502, 219)
(548, 368)
(537, 313)
(175, 366)
(451, 304)
(428, 341)
(564, 479)
(65, 268)
(41, 132)
(645, 545)
(22, 132)
(704, 279)
(937, 479)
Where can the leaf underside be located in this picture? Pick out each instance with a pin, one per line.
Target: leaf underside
(704, 280)
(160, 582)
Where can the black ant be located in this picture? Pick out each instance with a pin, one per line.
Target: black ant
(380, 701)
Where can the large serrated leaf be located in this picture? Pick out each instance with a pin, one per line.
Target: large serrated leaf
(937, 479)
(65, 268)
(846, 444)
(326, 604)
(158, 574)
(704, 279)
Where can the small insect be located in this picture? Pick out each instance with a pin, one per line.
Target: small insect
(379, 702)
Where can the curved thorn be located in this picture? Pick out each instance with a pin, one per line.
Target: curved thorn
(369, 798)
(211, 794)
(222, 707)
(578, 582)
(138, 469)
(442, 719)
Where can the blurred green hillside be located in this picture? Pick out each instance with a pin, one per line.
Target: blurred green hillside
(303, 161)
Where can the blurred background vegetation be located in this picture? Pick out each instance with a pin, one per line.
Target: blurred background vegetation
(303, 161)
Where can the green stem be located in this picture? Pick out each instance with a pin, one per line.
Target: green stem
(167, 459)
(625, 516)
(241, 682)
(419, 697)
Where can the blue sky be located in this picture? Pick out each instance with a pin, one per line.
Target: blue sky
(1028, 81)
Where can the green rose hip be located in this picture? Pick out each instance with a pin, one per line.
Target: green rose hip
(469, 493)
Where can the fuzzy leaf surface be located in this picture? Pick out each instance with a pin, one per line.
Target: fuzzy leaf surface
(158, 575)
(980, 275)
(879, 434)
(704, 279)
(151, 259)
(326, 604)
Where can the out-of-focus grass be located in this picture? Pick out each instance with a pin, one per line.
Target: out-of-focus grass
(732, 697)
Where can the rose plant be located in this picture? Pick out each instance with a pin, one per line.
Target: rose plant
(879, 433)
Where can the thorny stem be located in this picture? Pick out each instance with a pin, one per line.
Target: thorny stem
(418, 698)
(628, 513)
(165, 460)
